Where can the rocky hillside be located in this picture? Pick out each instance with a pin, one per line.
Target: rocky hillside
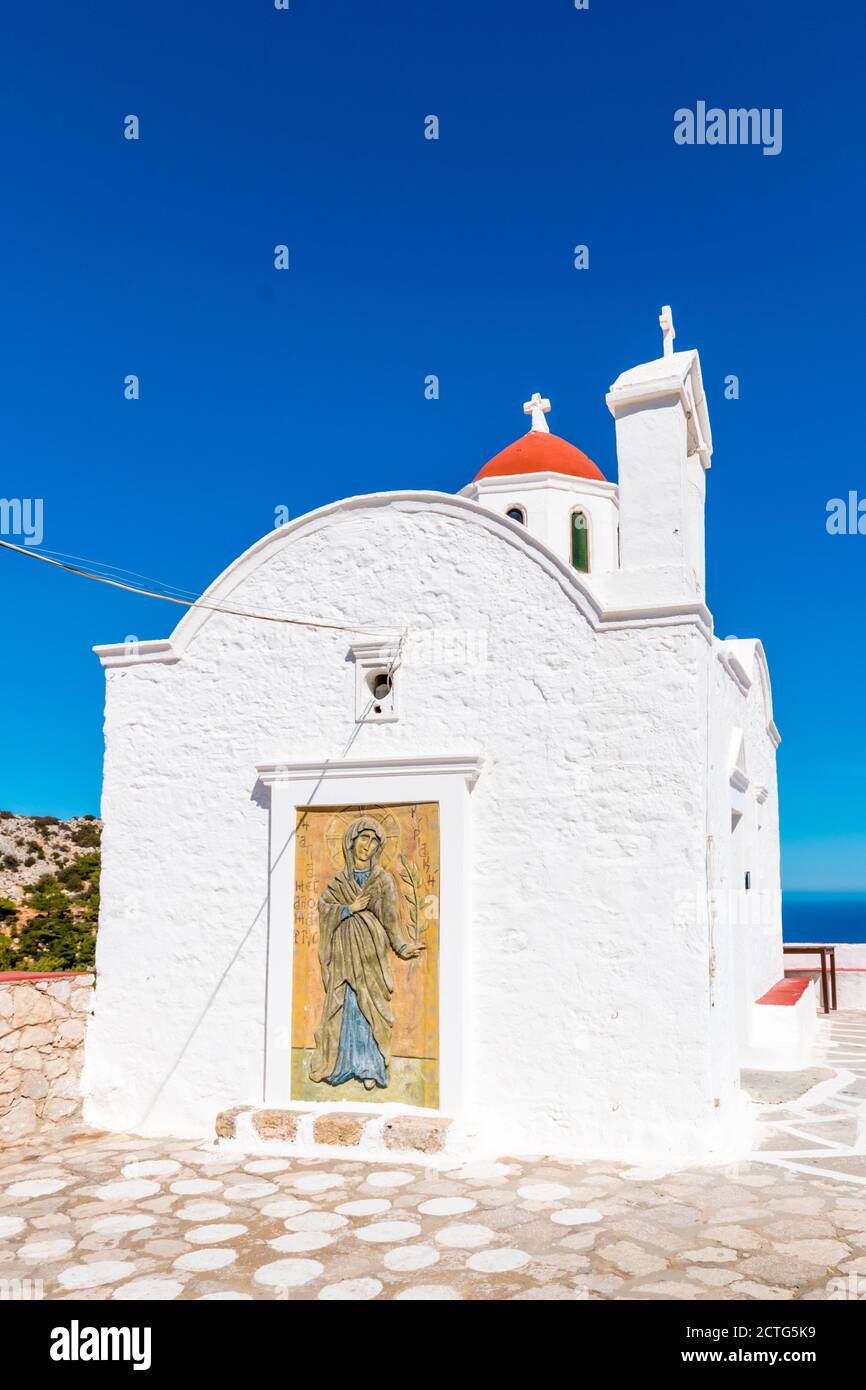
(49, 892)
(31, 846)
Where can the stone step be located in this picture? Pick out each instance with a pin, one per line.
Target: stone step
(422, 1134)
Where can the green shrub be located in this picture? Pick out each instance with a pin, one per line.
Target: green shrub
(62, 933)
(87, 836)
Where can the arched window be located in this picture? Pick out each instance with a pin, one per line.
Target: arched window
(580, 541)
(517, 514)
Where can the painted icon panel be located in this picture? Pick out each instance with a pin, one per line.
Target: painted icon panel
(365, 992)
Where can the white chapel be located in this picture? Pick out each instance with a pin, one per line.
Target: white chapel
(487, 834)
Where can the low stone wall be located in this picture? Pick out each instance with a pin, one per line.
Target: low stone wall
(42, 1024)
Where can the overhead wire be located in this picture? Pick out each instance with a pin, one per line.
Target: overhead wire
(185, 602)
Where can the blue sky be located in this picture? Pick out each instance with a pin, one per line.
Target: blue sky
(409, 257)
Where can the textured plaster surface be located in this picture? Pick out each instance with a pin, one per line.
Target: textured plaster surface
(587, 975)
(591, 1021)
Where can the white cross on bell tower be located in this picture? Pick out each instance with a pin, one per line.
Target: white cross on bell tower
(666, 324)
(537, 407)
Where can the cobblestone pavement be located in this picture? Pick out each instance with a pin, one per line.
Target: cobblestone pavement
(98, 1216)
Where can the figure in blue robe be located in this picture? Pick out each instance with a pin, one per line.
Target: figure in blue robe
(359, 926)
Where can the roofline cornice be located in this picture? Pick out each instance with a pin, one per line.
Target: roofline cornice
(561, 482)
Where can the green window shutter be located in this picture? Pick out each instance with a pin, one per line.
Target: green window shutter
(579, 542)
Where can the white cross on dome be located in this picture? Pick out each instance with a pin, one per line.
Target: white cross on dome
(537, 406)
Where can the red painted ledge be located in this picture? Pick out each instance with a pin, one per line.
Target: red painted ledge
(785, 992)
(11, 977)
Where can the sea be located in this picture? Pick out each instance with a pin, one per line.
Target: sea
(820, 916)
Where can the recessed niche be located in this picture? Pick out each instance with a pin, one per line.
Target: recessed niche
(376, 681)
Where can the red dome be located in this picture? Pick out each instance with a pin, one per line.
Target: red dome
(537, 452)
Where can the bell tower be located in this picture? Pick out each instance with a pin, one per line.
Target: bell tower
(664, 447)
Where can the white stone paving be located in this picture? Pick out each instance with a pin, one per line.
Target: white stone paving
(119, 1217)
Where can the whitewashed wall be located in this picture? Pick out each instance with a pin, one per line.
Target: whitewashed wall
(749, 927)
(589, 1015)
